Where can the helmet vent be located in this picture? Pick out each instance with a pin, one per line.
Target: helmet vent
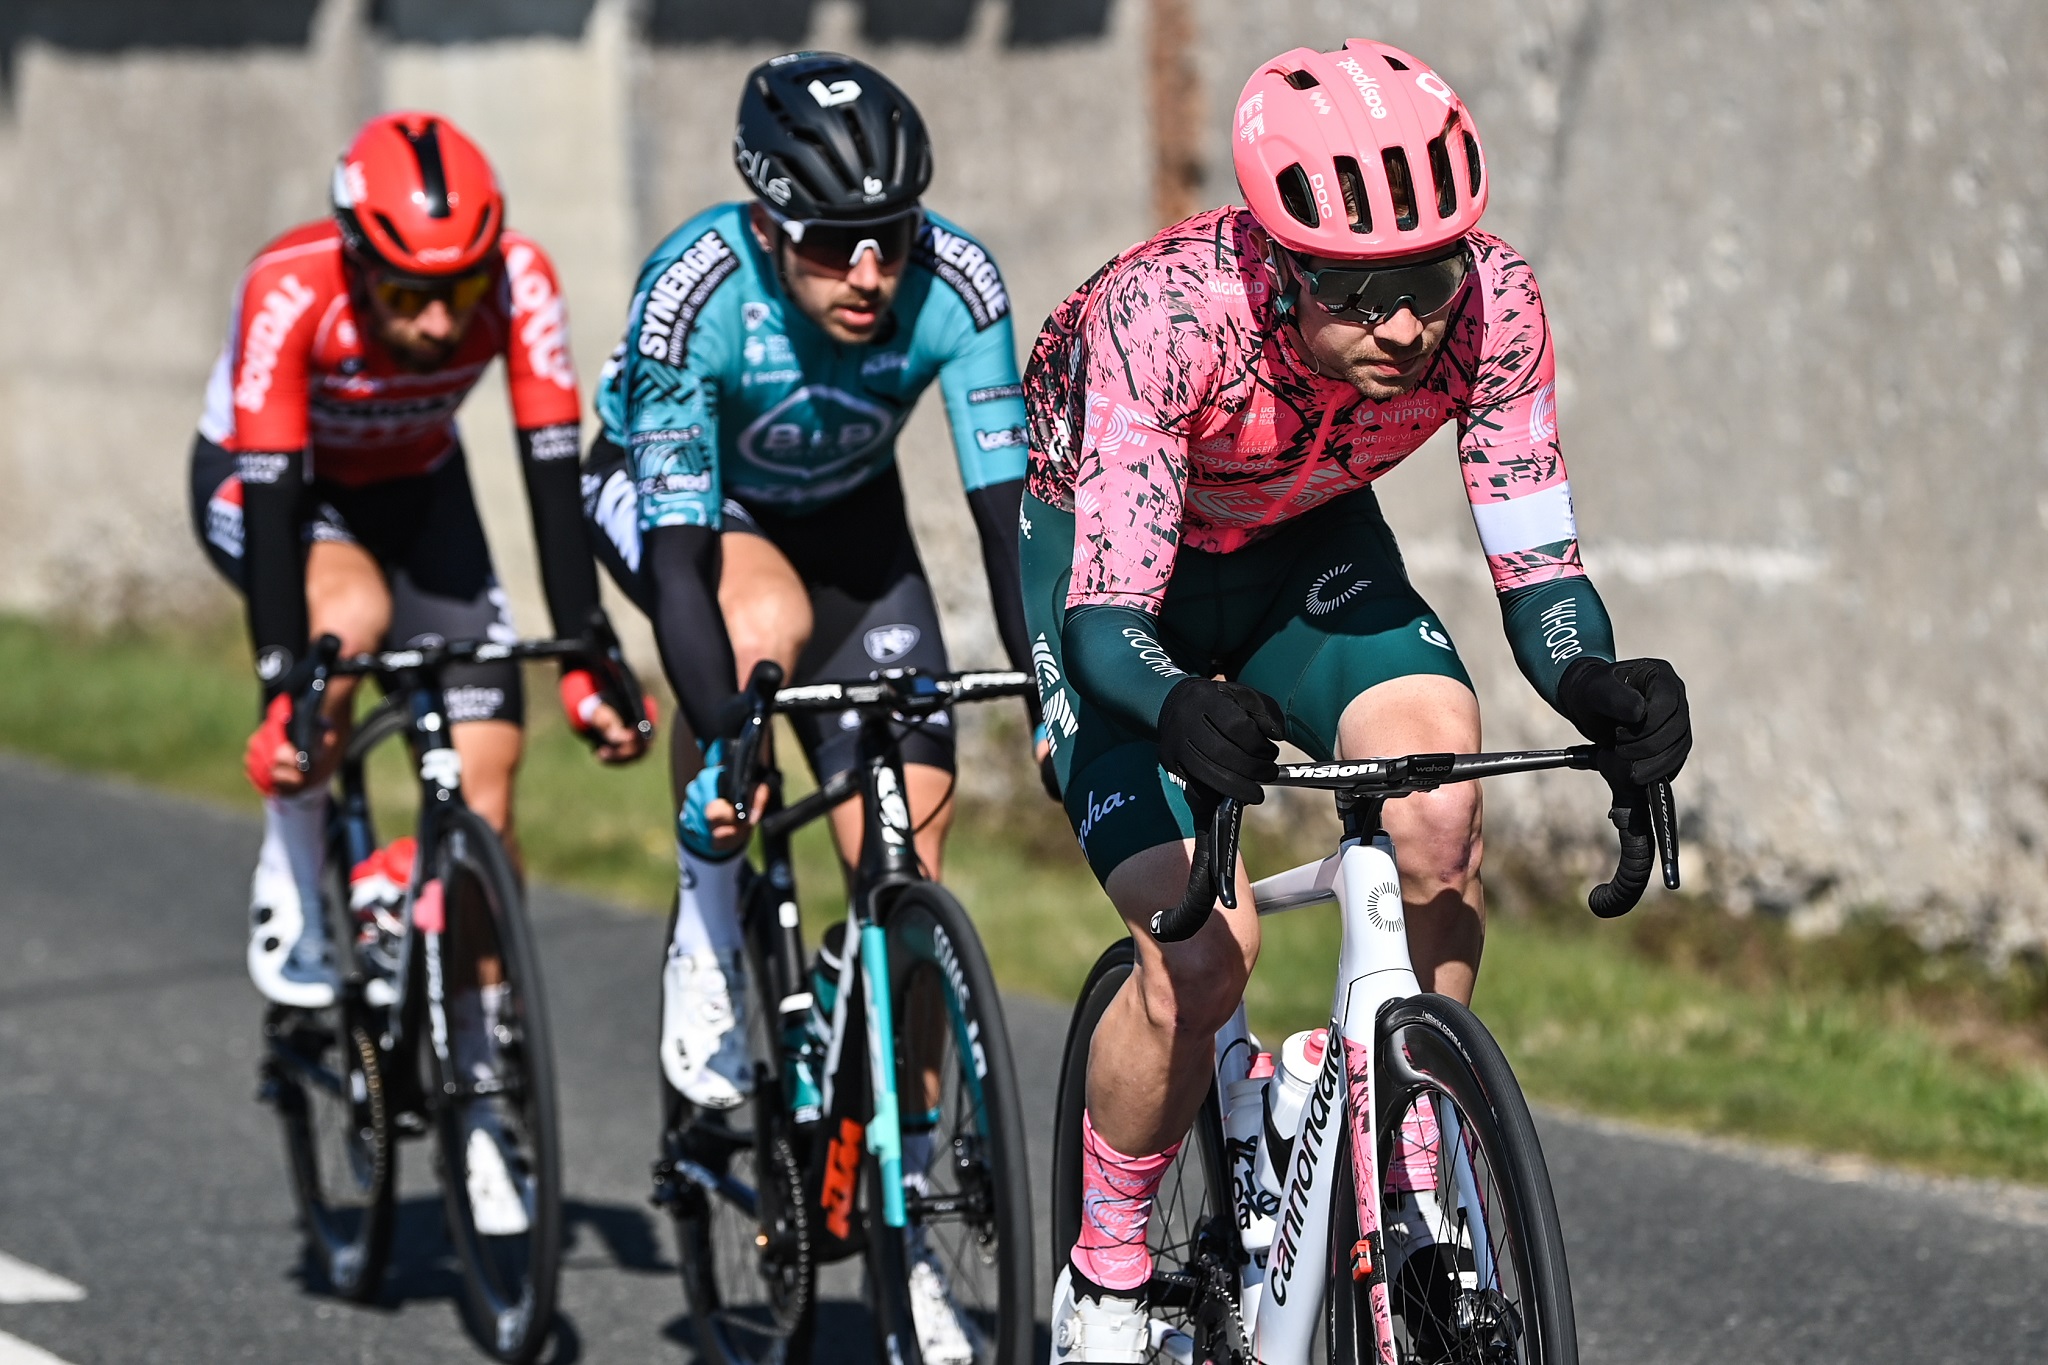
(426, 146)
(1395, 62)
(1294, 193)
(1402, 185)
(483, 225)
(860, 142)
(1472, 162)
(1356, 207)
(392, 228)
(1446, 181)
(1302, 80)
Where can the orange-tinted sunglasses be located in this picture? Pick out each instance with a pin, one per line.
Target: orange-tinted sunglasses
(408, 296)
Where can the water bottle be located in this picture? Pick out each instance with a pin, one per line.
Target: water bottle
(1244, 1126)
(1301, 1057)
(807, 1027)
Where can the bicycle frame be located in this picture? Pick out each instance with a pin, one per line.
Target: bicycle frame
(888, 863)
(1281, 1309)
(422, 913)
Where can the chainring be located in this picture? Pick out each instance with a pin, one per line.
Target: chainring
(788, 1254)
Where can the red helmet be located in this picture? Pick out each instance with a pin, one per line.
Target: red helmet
(1363, 153)
(413, 194)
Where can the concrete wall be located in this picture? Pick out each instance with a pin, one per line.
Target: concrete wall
(1792, 252)
(1793, 255)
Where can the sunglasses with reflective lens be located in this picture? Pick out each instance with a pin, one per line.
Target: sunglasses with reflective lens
(1371, 296)
(838, 247)
(408, 296)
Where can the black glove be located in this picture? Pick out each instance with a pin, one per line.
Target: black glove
(1638, 706)
(1220, 734)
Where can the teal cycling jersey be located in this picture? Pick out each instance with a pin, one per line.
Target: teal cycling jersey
(721, 387)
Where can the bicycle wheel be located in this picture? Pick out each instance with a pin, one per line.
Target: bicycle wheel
(1472, 1245)
(733, 1182)
(509, 1272)
(1193, 1236)
(969, 1210)
(323, 1075)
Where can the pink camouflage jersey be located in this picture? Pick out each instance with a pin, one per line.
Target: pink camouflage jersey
(1168, 407)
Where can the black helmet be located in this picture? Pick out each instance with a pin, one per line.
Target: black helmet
(825, 136)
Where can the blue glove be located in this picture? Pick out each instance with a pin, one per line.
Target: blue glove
(693, 829)
(1048, 767)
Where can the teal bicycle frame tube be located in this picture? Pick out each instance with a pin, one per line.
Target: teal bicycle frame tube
(885, 1129)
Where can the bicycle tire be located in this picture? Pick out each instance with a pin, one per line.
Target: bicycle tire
(509, 1282)
(338, 1142)
(1193, 1233)
(1446, 1305)
(751, 1303)
(977, 1189)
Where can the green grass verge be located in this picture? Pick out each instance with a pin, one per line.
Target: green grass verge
(1677, 1016)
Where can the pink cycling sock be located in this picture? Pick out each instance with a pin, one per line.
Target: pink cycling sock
(1116, 1206)
(1417, 1148)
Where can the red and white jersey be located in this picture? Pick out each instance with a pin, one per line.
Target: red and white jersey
(297, 370)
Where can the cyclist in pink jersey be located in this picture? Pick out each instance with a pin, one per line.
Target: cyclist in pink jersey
(1206, 569)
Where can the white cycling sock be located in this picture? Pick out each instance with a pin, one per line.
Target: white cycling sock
(708, 918)
(295, 850)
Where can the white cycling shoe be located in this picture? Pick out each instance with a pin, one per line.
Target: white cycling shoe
(290, 959)
(497, 1197)
(945, 1335)
(1111, 1330)
(704, 1030)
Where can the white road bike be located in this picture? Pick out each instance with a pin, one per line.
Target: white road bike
(1415, 1223)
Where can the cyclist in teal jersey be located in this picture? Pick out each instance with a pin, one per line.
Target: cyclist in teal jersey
(745, 491)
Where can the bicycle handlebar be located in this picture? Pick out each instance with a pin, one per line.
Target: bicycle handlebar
(1642, 817)
(599, 648)
(901, 692)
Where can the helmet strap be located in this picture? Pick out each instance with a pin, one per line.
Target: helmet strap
(1288, 295)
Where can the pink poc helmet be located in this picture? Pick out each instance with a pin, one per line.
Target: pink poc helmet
(1362, 153)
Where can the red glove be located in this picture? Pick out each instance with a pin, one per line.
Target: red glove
(580, 698)
(258, 758)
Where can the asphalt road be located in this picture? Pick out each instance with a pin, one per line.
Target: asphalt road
(135, 1166)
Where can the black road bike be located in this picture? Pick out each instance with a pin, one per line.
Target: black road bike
(349, 1081)
(810, 1169)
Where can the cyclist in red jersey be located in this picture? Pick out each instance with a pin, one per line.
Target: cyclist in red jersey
(329, 486)
(1206, 569)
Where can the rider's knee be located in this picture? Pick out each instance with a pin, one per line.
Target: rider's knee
(1196, 989)
(1445, 846)
(767, 627)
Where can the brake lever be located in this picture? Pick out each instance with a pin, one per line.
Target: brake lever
(616, 684)
(1664, 823)
(304, 728)
(1225, 826)
(758, 702)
